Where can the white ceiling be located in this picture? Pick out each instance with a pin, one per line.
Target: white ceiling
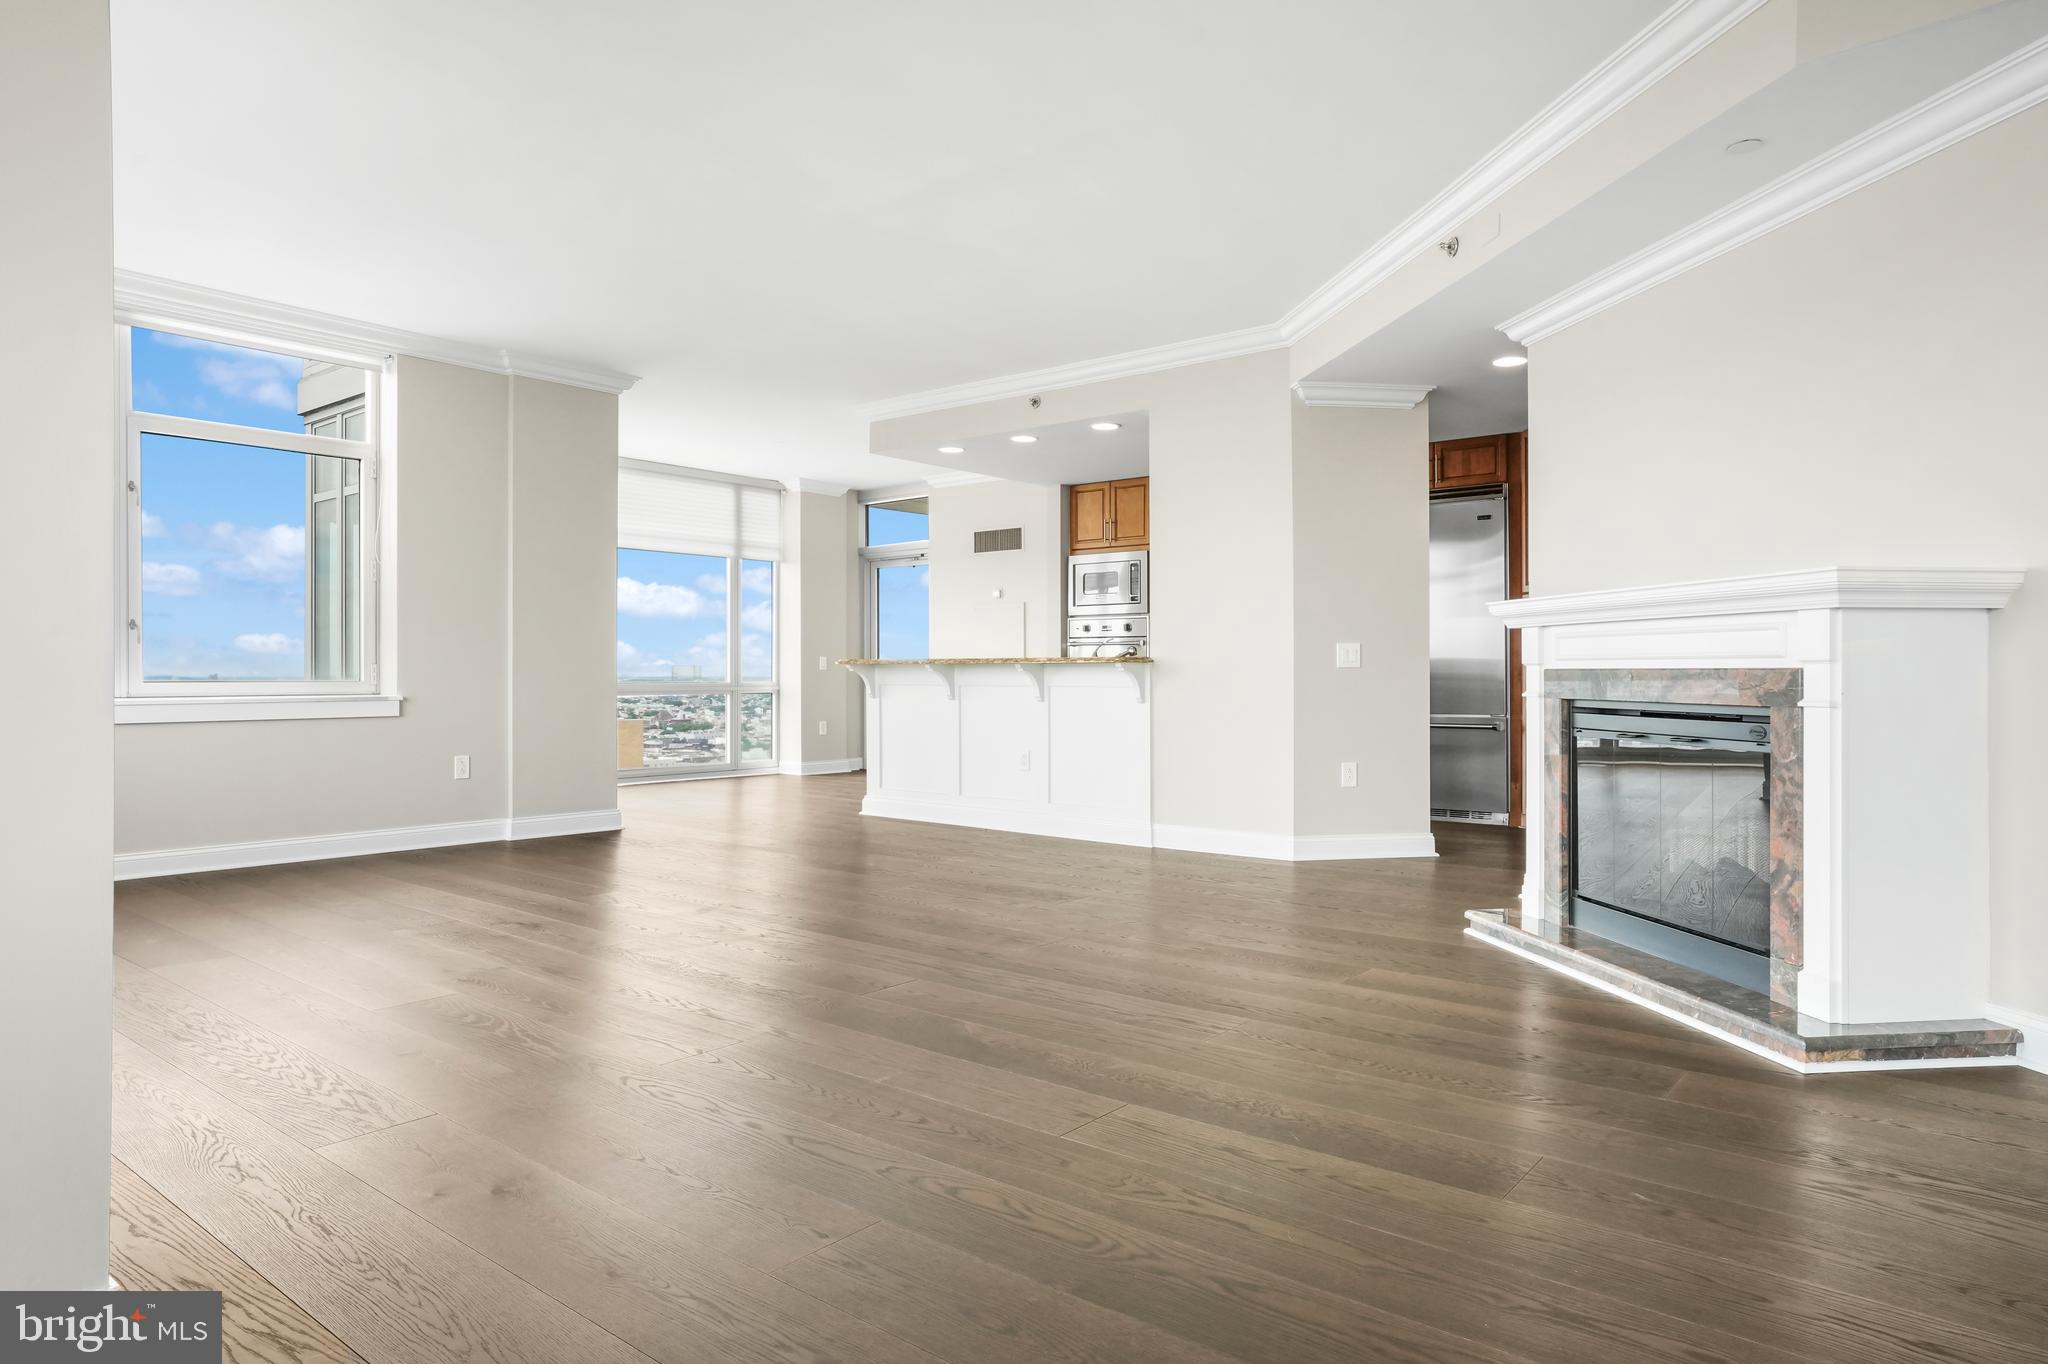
(1063, 452)
(775, 213)
(1451, 340)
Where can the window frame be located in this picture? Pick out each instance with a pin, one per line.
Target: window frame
(130, 684)
(732, 688)
(874, 558)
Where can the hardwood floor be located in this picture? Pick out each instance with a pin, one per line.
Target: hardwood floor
(762, 1080)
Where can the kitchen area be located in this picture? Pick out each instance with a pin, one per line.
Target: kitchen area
(1028, 708)
(1478, 554)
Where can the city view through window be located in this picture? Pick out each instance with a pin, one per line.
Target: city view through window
(678, 631)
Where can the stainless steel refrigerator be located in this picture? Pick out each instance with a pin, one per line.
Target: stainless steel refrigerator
(1468, 658)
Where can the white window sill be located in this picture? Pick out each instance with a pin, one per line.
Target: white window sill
(180, 710)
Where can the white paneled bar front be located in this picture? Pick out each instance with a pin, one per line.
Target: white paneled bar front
(1054, 746)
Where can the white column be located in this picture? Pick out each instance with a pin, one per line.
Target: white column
(56, 626)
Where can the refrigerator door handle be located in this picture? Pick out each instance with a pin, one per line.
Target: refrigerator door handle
(1468, 721)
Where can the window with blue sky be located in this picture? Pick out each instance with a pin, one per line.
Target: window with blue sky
(223, 558)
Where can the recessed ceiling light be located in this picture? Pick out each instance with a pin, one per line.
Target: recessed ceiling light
(951, 450)
(1025, 440)
(1105, 426)
(1510, 361)
(1743, 146)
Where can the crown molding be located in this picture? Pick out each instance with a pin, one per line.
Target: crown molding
(958, 479)
(145, 300)
(1315, 394)
(1965, 589)
(1674, 36)
(1223, 346)
(823, 489)
(2006, 87)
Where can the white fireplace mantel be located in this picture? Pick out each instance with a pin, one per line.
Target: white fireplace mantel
(1819, 589)
(1895, 712)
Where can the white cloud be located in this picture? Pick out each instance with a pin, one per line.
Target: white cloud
(170, 580)
(760, 616)
(272, 554)
(152, 525)
(662, 599)
(757, 579)
(260, 377)
(266, 644)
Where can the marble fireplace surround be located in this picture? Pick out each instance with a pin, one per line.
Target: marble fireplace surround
(1775, 689)
(1877, 684)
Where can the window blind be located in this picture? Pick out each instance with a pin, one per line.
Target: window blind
(687, 513)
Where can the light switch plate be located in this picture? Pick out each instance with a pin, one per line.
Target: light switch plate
(1347, 655)
(821, 726)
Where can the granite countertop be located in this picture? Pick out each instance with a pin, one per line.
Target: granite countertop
(972, 662)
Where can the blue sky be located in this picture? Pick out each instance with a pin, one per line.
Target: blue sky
(672, 617)
(904, 623)
(223, 526)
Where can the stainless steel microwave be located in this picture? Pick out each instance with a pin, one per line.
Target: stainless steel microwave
(1109, 584)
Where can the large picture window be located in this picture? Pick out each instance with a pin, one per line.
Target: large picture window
(250, 514)
(697, 570)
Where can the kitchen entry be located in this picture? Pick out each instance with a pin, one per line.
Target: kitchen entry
(1468, 659)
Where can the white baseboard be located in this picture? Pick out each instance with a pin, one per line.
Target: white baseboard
(2033, 1049)
(820, 766)
(1350, 847)
(1016, 819)
(555, 826)
(1224, 842)
(1291, 847)
(136, 866)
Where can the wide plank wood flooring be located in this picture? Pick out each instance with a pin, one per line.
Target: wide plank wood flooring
(761, 1080)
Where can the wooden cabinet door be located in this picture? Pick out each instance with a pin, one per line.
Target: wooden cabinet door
(1088, 516)
(1471, 463)
(1130, 513)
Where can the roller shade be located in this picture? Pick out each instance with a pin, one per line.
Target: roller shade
(684, 512)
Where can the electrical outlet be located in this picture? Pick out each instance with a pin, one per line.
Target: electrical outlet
(1347, 655)
(462, 767)
(1347, 774)
(821, 726)
(1024, 760)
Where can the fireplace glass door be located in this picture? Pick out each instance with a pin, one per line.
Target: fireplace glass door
(1671, 839)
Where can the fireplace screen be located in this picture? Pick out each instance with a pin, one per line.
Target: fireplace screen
(1671, 840)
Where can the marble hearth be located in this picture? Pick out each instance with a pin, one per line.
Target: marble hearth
(1875, 683)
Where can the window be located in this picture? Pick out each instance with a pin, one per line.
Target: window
(898, 580)
(697, 578)
(900, 522)
(250, 549)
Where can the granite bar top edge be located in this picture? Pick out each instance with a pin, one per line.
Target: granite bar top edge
(979, 662)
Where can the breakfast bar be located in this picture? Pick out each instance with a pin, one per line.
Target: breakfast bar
(1054, 746)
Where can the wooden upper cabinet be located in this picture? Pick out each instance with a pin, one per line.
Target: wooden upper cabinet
(1130, 513)
(1474, 462)
(1088, 517)
(1105, 516)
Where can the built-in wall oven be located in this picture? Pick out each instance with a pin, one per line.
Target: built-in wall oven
(1113, 584)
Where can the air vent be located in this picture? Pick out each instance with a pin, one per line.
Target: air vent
(986, 541)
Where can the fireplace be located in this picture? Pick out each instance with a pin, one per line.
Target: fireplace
(1764, 808)
(1671, 833)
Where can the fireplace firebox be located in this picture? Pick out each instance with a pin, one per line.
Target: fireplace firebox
(1671, 833)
